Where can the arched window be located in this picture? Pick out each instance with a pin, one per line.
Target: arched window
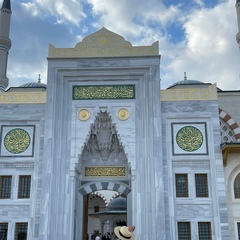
(237, 186)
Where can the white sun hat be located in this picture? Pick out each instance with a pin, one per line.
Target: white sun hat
(123, 233)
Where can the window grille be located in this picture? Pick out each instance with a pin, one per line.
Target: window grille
(237, 186)
(5, 186)
(201, 182)
(24, 186)
(184, 231)
(227, 134)
(238, 227)
(3, 231)
(21, 231)
(204, 231)
(181, 185)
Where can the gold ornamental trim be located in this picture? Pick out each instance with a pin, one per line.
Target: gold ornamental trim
(103, 43)
(84, 114)
(123, 114)
(105, 171)
(209, 93)
(22, 97)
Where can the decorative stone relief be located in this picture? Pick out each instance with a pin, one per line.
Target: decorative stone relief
(22, 97)
(104, 43)
(184, 94)
(103, 144)
(123, 114)
(84, 114)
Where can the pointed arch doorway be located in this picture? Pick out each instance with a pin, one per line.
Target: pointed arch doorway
(102, 165)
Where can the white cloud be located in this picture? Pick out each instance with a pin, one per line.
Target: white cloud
(70, 11)
(133, 18)
(199, 2)
(32, 8)
(208, 51)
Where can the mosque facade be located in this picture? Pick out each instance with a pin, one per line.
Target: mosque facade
(102, 122)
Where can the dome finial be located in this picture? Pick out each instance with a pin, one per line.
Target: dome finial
(39, 78)
(185, 76)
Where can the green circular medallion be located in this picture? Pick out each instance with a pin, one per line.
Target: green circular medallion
(17, 141)
(189, 138)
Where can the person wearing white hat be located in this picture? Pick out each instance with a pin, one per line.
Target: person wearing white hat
(124, 232)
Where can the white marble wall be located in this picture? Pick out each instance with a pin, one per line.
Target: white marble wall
(152, 207)
(212, 209)
(23, 210)
(65, 135)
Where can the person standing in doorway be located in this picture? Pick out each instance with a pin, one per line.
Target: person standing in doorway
(98, 237)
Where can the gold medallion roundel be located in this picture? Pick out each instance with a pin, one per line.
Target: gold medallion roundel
(84, 114)
(123, 114)
(17, 141)
(189, 138)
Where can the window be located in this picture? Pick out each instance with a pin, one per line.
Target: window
(204, 231)
(5, 186)
(21, 231)
(3, 231)
(238, 227)
(237, 186)
(96, 207)
(184, 231)
(181, 185)
(201, 182)
(24, 186)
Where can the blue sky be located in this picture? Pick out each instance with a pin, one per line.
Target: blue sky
(195, 36)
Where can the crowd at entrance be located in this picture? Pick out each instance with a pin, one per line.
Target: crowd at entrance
(98, 236)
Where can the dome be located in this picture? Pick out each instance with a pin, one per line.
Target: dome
(117, 204)
(34, 85)
(186, 82)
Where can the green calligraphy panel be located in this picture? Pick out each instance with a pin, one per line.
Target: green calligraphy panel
(104, 92)
(17, 141)
(189, 138)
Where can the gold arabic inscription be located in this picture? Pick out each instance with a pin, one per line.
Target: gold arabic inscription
(189, 138)
(17, 141)
(105, 171)
(104, 92)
